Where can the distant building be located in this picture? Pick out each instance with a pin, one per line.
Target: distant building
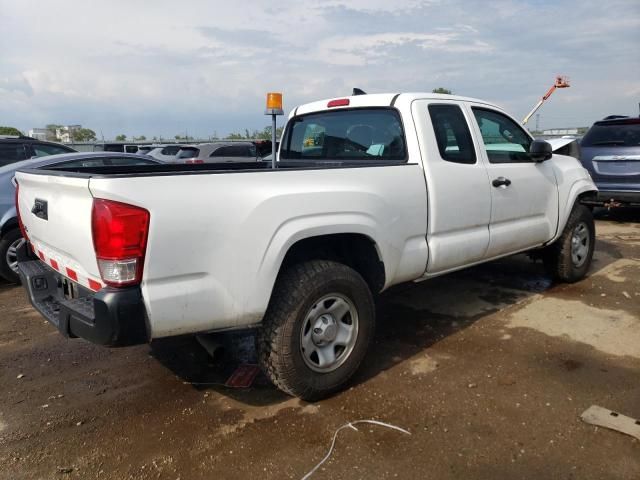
(65, 134)
(38, 133)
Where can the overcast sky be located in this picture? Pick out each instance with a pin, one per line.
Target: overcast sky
(202, 66)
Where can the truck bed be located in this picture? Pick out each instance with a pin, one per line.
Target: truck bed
(203, 168)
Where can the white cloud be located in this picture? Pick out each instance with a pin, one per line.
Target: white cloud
(363, 49)
(160, 68)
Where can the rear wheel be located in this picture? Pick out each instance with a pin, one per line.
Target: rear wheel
(317, 329)
(568, 259)
(9, 245)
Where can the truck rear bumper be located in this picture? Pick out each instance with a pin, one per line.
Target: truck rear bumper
(110, 317)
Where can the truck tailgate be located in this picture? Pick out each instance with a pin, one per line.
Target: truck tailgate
(56, 212)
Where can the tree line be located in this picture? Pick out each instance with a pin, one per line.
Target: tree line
(264, 134)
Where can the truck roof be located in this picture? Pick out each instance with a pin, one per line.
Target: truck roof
(380, 100)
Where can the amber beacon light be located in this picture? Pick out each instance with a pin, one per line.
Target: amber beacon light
(274, 108)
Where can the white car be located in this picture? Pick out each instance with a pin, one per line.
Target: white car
(217, 152)
(165, 153)
(370, 191)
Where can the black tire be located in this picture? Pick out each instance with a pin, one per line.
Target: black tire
(297, 292)
(558, 257)
(8, 239)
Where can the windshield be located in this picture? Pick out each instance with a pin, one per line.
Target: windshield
(188, 153)
(357, 134)
(622, 133)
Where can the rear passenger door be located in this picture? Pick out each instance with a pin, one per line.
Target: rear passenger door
(524, 193)
(458, 189)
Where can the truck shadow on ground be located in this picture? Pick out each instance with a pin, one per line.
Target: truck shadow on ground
(410, 319)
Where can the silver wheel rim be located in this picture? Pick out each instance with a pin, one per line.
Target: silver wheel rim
(329, 333)
(580, 244)
(12, 254)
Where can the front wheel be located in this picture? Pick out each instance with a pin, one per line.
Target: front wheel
(568, 259)
(317, 329)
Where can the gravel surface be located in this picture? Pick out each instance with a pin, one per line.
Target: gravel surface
(489, 369)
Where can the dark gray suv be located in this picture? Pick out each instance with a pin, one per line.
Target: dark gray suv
(610, 150)
(14, 149)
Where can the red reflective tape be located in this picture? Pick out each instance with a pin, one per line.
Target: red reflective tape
(54, 264)
(72, 274)
(41, 255)
(95, 286)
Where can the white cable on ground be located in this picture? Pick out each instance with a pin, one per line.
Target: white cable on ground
(350, 425)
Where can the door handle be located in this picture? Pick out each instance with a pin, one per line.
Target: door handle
(500, 182)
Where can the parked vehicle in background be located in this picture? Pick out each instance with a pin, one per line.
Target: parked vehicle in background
(567, 145)
(217, 152)
(370, 191)
(165, 153)
(10, 236)
(611, 153)
(144, 149)
(17, 148)
(264, 147)
(119, 147)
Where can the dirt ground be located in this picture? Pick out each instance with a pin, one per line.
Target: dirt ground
(488, 369)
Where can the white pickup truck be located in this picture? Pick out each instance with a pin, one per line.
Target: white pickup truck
(370, 191)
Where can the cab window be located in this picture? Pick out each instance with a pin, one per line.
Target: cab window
(452, 134)
(504, 140)
(354, 134)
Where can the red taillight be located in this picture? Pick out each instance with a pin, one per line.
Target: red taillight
(194, 160)
(120, 240)
(341, 102)
(20, 224)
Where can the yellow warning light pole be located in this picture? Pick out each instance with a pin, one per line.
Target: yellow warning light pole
(274, 108)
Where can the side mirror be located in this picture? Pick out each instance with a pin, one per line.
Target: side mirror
(540, 151)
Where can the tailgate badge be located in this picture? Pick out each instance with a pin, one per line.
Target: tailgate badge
(40, 209)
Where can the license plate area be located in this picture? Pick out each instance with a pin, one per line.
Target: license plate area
(70, 289)
(618, 168)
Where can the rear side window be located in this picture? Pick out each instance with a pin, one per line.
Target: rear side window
(620, 133)
(188, 153)
(235, 151)
(12, 152)
(170, 150)
(124, 161)
(359, 134)
(114, 148)
(81, 162)
(452, 134)
(42, 149)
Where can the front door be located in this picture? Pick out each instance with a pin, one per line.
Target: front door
(459, 197)
(524, 193)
